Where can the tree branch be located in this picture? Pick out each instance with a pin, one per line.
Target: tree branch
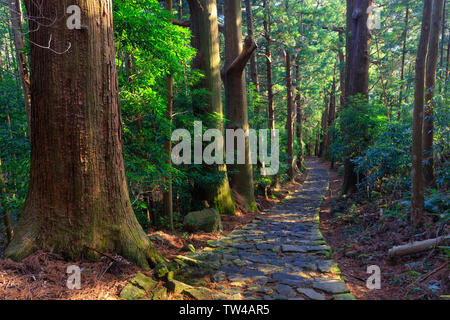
(241, 60)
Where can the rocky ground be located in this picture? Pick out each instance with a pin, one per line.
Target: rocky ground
(280, 255)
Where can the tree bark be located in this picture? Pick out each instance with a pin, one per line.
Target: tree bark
(205, 40)
(417, 201)
(358, 73)
(430, 88)
(290, 118)
(236, 57)
(78, 202)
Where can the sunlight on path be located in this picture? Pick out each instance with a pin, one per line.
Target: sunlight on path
(282, 253)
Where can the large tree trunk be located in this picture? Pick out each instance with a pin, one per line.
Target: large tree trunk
(15, 9)
(78, 202)
(417, 201)
(402, 70)
(205, 39)
(359, 72)
(430, 88)
(290, 119)
(236, 57)
(250, 30)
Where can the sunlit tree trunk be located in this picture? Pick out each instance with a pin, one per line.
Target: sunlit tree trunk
(430, 88)
(205, 39)
(267, 34)
(236, 57)
(417, 201)
(78, 202)
(299, 117)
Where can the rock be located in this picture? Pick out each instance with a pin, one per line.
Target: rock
(312, 294)
(218, 276)
(131, 292)
(344, 296)
(144, 282)
(284, 290)
(198, 293)
(292, 248)
(330, 285)
(207, 220)
(351, 253)
(327, 266)
(161, 270)
(188, 248)
(159, 293)
(177, 286)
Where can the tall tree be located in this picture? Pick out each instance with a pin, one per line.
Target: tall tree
(250, 32)
(299, 117)
(78, 202)
(358, 73)
(236, 57)
(15, 9)
(290, 117)
(269, 78)
(417, 201)
(168, 195)
(205, 39)
(430, 88)
(402, 69)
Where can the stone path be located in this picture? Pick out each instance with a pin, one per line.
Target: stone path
(282, 253)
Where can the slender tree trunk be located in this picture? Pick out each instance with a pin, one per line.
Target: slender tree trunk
(180, 10)
(15, 9)
(236, 57)
(168, 194)
(402, 70)
(299, 117)
(348, 45)
(358, 73)
(417, 200)
(331, 115)
(205, 39)
(430, 88)
(290, 118)
(442, 47)
(250, 31)
(78, 202)
(267, 34)
(341, 73)
(324, 124)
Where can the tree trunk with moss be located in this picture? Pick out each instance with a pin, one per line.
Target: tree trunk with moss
(205, 40)
(78, 203)
(236, 58)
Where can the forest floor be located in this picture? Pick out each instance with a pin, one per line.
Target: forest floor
(360, 236)
(43, 275)
(356, 234)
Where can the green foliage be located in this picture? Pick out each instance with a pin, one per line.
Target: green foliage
(388, 158)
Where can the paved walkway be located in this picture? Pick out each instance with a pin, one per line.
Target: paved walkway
(281, 254)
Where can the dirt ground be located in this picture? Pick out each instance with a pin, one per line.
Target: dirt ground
(356, 248)
(42, 276)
